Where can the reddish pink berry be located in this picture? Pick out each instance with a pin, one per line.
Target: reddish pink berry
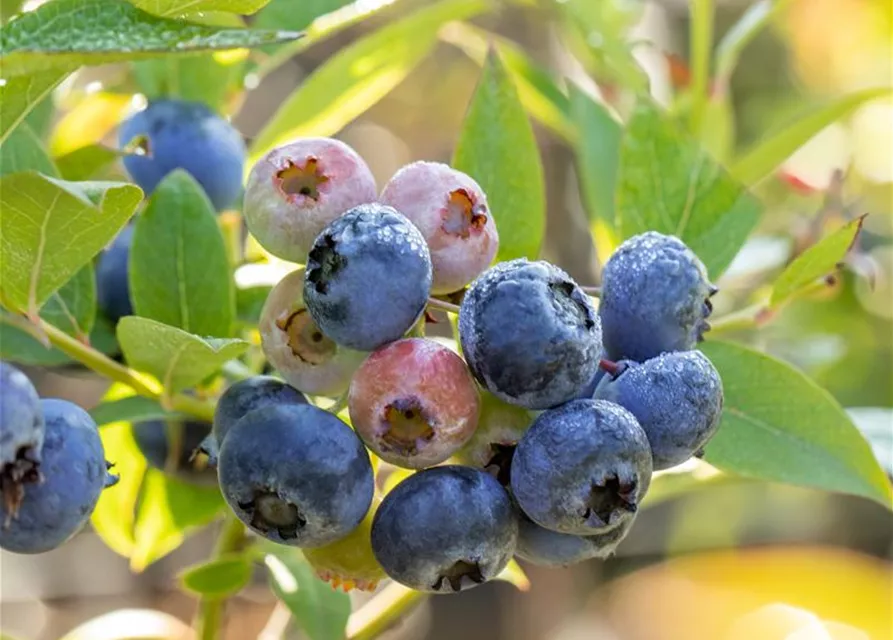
(414, 403)
(294, 191)
(451, 211)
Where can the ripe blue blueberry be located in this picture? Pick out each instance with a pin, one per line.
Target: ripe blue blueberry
(240, 398)
(21, 435)
(185, 135)
(75, 473)
(168, 447)
(546, 548)
(676, 397)
(368, 277)
(112, 285)
(529, 333)
(295, 474)
(655, 298)
(582, 468)
(445, 529)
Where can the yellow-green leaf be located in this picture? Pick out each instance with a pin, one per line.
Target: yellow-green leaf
(19, 95)
(218, 578)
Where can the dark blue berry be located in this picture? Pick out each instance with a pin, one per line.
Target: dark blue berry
(168, 447)
(189, 136)
(546, 548)
(445, 529)
(112, 285)
(368, 277)
(655, 298)
(582, 467)
(21, 435)
(296, 474)
(529, 333)
(75, 473)
(677, 399)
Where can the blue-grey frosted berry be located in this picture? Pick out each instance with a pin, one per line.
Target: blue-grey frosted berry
(168, 447)
(582, 467)
(368, 277)
(295, 474)
(546, 548)
(75, 473)
(445, 529)
(676, 397)
(655, 298)
(242, 397)
(112, 285)
(185, 135)
(21, 435)
(529, 333)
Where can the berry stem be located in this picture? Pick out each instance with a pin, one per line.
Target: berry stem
(594, 292)
(377, 615)
(441, 305)
(210, 609)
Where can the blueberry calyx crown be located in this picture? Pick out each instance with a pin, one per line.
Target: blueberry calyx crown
(407, 426)
(324, 263)
(609, 496)
(304, 338)
(25, 469)
(451, 579)
(462, 214)
(299, 180)
(269, 511)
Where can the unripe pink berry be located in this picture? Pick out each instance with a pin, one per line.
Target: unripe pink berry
(451, 211)
(295, 190)
(414, 403)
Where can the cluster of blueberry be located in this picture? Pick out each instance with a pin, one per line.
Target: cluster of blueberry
(52, 466)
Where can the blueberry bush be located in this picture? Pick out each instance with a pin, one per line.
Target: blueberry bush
(417, 398)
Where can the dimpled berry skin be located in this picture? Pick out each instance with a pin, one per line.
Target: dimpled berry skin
(296, 475)
(414, 403)
(445, 529)
(582, 467)
(112, 285)
(75, 473)
(154, 439)
(240, 398)
(296, 347)
(655, 298)
(529, 333)
(189, 136)
(294, 191)
(368, 277)
(545, 548)
(676, 397)
(451, 211)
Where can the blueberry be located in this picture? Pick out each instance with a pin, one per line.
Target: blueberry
(112, 284)
(297, 189)
(240, 398)
(21, 435)
(582, 467)
(676, 397)
(546, 548)
(168, 447)
(296, 474)
(296, 347)
(368, 277)
(655, 298)
(414, 403)
(75, 473)
(529, 333)
(185, 135)
(445, 529)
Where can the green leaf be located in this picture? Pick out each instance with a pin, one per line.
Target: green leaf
(19, 96)
(179, 273)
(169, 511)
(23, 151)
(598, 154)
(496, 147)
(131, 409)
(816, 262)
(779, 425)
(766, 156)
(358, 76)
(103, 31)
(667, 183)
(9, 8)
(751, 22)
(321, 611)
(177, 7)
(50, 228)
(699, 48)
(177, 358)
(73, 307)
(539, 93)
(218, 578)
(18, 346)
(87, 163)
(295, 16)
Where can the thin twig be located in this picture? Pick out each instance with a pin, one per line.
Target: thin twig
(442, 305)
